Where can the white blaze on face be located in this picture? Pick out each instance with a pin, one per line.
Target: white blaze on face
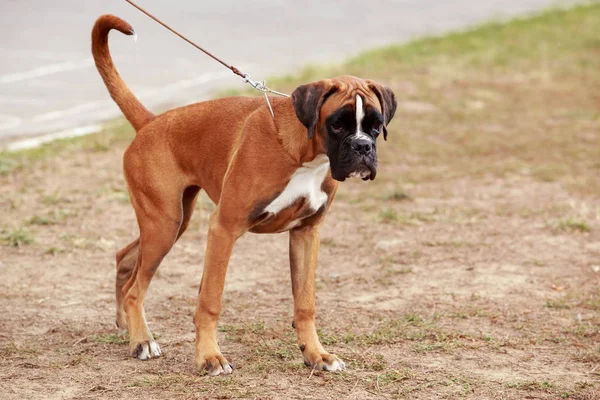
(360, 114)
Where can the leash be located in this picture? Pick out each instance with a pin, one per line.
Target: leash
(260, 86)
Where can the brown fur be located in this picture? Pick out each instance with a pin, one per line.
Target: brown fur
(133, 110)
(233, 150)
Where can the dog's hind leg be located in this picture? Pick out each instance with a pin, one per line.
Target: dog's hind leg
(127, 256)
(188, 202)
(126, 259)
(159, 211)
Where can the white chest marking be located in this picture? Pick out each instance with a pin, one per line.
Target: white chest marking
(360, 114)
(305, 182)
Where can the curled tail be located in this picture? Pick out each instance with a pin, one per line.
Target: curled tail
(131, 107)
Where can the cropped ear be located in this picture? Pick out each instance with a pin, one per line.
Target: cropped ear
(387, 100)
(307, 101)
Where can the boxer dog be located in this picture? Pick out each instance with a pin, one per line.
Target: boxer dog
(264, 174)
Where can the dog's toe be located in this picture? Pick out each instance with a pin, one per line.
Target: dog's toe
(216, 365)
(326, 362)
(333, 363)
(146, 350)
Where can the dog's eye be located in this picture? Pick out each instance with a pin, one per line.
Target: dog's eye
(336, 128)
(377, 129)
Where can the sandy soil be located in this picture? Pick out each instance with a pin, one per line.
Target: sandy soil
(459, 287)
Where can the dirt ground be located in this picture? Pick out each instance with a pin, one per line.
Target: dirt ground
(469, 268)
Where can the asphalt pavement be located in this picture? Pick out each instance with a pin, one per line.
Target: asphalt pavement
(48, 82)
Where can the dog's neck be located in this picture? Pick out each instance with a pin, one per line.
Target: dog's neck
(294, 135)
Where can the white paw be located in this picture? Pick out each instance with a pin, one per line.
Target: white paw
(215, 365)
(221, 370)
(147, 350)
(335, 365)
(326, 362)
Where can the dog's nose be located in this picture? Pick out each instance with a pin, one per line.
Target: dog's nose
(362, 145)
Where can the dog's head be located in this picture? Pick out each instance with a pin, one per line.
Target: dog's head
(350, 113)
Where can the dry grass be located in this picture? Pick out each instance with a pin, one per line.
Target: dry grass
(468, 268)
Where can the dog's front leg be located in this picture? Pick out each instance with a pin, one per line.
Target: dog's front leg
(218, 250)
(304, 248)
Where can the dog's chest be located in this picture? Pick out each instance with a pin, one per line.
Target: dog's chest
(302, 197)
(305, 183)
